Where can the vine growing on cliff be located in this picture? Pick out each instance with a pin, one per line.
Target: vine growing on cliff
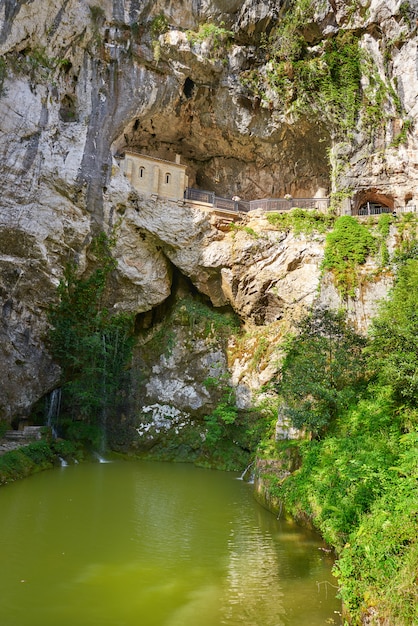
(301, 79)
(3, 75)
(346, 248)
(92, 346)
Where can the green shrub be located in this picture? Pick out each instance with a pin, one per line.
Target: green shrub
(159, 25)
(25, 461)
(358, 483)
(92, 347)
(394, 347)
(212, 33)
(378, 564)
(39, 452)
(346, 248)
(301, 221)
(322, 372)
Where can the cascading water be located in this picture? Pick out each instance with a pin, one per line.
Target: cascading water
(245, 472)
(100, 458)
(53, 410)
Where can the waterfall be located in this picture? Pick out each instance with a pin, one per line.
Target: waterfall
(100, 458)
(244, 473)
(63, 462)
(53, 410)
(103, 416)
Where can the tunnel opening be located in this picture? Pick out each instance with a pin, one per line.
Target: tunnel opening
(372, 202)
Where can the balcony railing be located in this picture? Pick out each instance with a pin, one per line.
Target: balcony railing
(373, 209)
(198, 195)
(237, 205)
(377, 209)
(281, 204)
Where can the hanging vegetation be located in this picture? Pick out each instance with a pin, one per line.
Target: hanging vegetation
(92, 346)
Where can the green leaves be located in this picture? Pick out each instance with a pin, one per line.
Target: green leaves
(322, 371)
(340, 85)
(301, 221)
(394, 347)
(322, 80)
(91, 346)
(347, 247)
(212, 33)
(358, 483)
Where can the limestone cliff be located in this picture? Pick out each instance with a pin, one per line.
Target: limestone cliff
(80, 82)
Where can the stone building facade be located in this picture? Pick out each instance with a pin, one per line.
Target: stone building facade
(155, 177)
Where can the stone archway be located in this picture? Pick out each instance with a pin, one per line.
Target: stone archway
(372, 202)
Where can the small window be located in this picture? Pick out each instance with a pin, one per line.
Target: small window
(141, 172)
(167, 178)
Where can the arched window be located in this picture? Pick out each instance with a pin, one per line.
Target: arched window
(167, 178)
(141, 172)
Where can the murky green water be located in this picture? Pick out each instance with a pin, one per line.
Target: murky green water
(154, 544)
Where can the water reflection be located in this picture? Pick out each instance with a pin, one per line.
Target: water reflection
(154, 544)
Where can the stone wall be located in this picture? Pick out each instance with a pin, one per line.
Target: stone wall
(155, 177)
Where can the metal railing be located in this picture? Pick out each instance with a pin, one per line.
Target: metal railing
(198, 195)
(242, 206)
(373, 209)
(281, 204)
(231, 205)
(377, 209)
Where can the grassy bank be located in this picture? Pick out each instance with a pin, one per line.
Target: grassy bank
(35, 457)
(357, 474)
(358, 487)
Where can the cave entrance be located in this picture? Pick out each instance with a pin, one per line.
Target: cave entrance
(372, 202)
(225, 157)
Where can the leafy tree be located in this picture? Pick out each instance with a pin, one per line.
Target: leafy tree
(323, 369)
(394, 347)
(91, 346)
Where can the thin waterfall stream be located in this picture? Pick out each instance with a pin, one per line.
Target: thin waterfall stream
(53, 409)
(155, 544)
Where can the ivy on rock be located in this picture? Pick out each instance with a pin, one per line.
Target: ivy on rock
(92, 346)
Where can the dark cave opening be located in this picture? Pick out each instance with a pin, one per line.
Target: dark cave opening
(188, 87)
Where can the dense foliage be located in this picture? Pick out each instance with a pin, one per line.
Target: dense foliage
(25, 461)
(347, 247)
(394, 346)
(359, 482)
(323, 370)
(301, 79)
(301, 221)
(91, 346)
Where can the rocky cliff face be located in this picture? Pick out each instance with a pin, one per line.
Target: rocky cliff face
(80, 82)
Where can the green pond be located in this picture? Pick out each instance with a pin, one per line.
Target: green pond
(155, 544)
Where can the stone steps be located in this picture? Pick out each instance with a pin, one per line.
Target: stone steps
(29, 433)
